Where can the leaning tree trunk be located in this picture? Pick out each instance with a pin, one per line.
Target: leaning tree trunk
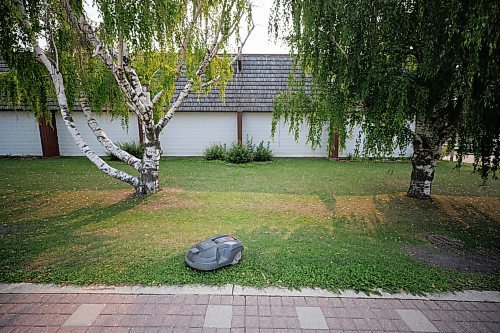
(426, 153)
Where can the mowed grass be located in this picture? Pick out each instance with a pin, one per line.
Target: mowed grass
(304, 223)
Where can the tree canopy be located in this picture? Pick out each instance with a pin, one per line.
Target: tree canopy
(130, 61)
(384, 64)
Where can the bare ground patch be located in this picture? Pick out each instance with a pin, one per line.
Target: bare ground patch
(462, 261)
(169, 198)
(66, 202)
(309, 205)
(461, 208)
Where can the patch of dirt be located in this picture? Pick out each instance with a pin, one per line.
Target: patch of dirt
(454, 259)
(458, 207)
(168, 198)
(297, 204)
(66, 202)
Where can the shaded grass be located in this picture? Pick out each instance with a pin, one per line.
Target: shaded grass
(303, 223)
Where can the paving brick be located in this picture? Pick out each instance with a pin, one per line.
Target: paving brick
(177, 299)
(71, 330)
(108, 320)
(385, 314)
(360, 303)
(311, 318)
(251, 300)
(340, 323)
(218, 316)
(226, 300)
(251, 310)
(416, 320)
(481, 327)
(238, 300)
(265, 322)
(237, 330)
(116, 309)
(190, 299)
(299, 301)
(276, 300)
(264, 310)
(135, 320)
(361, 324)
(202, 299)
(336, 313)
(182, 321)
(108, 330)
(444, 305)
(387, 325)
(123, 299)
(287, 301)
(85, 315)
(292, 322)
(278, 322)
(494, 327)
(214, 299)
(238, 310)
(36, 329)
(196, 321)
(251, 322)
(312, 301)
(263, 300)
(237, 321)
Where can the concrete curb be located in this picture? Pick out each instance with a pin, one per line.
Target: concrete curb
(236, 290)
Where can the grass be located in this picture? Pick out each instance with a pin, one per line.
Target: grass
(303, 222)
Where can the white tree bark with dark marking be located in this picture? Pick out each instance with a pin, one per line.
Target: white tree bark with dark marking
(426, 152)
(103, 139)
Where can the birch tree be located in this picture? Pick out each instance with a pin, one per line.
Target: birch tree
(388, 64)
(129, 62)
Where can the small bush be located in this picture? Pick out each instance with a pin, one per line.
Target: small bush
(133, 148)
(215, 151)
(239, 154)
(262, 153)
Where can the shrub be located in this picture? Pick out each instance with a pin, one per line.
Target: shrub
(239, 153)
(133, 148)
(215, 151)
(262, 154)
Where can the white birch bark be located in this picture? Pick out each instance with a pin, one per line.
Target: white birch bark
(103, 139)
(426, 153)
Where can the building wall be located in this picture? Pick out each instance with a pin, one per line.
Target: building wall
(189, 133)
(114, 128)
(257, 126)
(19, 134)
(351, 143)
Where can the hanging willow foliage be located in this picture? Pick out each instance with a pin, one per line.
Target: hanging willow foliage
(383, 64)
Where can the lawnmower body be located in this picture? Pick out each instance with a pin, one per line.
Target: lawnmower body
(215, 252)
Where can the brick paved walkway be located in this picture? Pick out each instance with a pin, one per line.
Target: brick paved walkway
(139, 312)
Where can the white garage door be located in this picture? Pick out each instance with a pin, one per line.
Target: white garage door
(258, 126)
(19, 134)
(189, 133)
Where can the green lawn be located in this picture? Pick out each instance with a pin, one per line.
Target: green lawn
(303, 222)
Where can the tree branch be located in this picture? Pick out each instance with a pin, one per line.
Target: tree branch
(87, 33)
(103, 138)
(201, 69)
(58, 82)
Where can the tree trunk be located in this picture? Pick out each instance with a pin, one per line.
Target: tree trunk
(426, 153)
(150, 166)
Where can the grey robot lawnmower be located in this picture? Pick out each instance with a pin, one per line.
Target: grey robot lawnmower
(215, 252)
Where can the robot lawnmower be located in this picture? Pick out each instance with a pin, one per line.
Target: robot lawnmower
(215, 252)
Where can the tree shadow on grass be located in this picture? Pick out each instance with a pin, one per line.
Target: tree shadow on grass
(42, 250)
